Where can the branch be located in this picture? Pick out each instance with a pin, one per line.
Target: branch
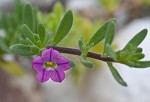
(78, 52)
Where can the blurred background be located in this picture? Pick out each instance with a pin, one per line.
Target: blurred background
(17, 78)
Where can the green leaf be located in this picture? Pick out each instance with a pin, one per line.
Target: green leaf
(41, 32)
(39, 43)
(86, 50)
(139, 50)
(92, 45)
(36, 37)
(64, 27)
(109, 38)
(34, 49)
(20, 49)
(100, 33)
(18, 10)
(29, 17)
(29, 41)
(3, 45)
(137, 56)
(48, 38)
(72, 64)
(110, 52)
(27, 32)
(24, 42)
(58, 9)
(137, 39)
(142, 64)
(81, 44)
(110, 32)
(4, 22)
(86, 62)
(116, 75)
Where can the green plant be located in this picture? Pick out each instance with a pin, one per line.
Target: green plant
(130, 55)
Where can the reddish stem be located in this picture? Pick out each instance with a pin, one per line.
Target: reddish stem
(78, 52)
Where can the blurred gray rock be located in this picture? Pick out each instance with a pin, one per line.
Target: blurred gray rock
(6, 5)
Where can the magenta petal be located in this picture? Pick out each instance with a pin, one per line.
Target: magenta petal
(43, 76)
(57, 75)
(55, 55)
(46, 54)
(50, 54)
(37, 63)
(62, 60)
(63, 64)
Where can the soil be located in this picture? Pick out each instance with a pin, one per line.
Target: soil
(7, 92)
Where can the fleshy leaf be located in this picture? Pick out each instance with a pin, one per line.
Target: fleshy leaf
(110, 52)
(116, 75)
(64, 27)
(137, 56)
(142, 64)
(139, 50)
(86, 62)
(109, 36)
(3, 46)
(18, 8)
(39, 43)
(47, 38)
(29, 16)
(131, 56)
(58, 9)
(34, 49)
(100, 33)
(36, 37)
(72, 64)
(137, 39)
(29, 41)
(81, 44)
(20, 49)
(86, 50)
(27, 32)
(110, 32)
(41, 32)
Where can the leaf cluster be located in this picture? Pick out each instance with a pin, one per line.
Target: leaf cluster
(10, 25)
(130, 55)
(36, 40)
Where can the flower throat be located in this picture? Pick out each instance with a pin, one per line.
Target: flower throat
(50, 65)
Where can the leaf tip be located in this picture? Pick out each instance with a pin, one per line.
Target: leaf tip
(69, 12)
(113, 19)
(145, 31)
(124, 84)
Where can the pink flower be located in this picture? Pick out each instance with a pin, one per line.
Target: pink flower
(50, 65)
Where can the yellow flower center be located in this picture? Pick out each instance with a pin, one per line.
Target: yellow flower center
(50, 65)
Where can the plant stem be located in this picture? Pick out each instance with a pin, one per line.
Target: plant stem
(78, 52)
